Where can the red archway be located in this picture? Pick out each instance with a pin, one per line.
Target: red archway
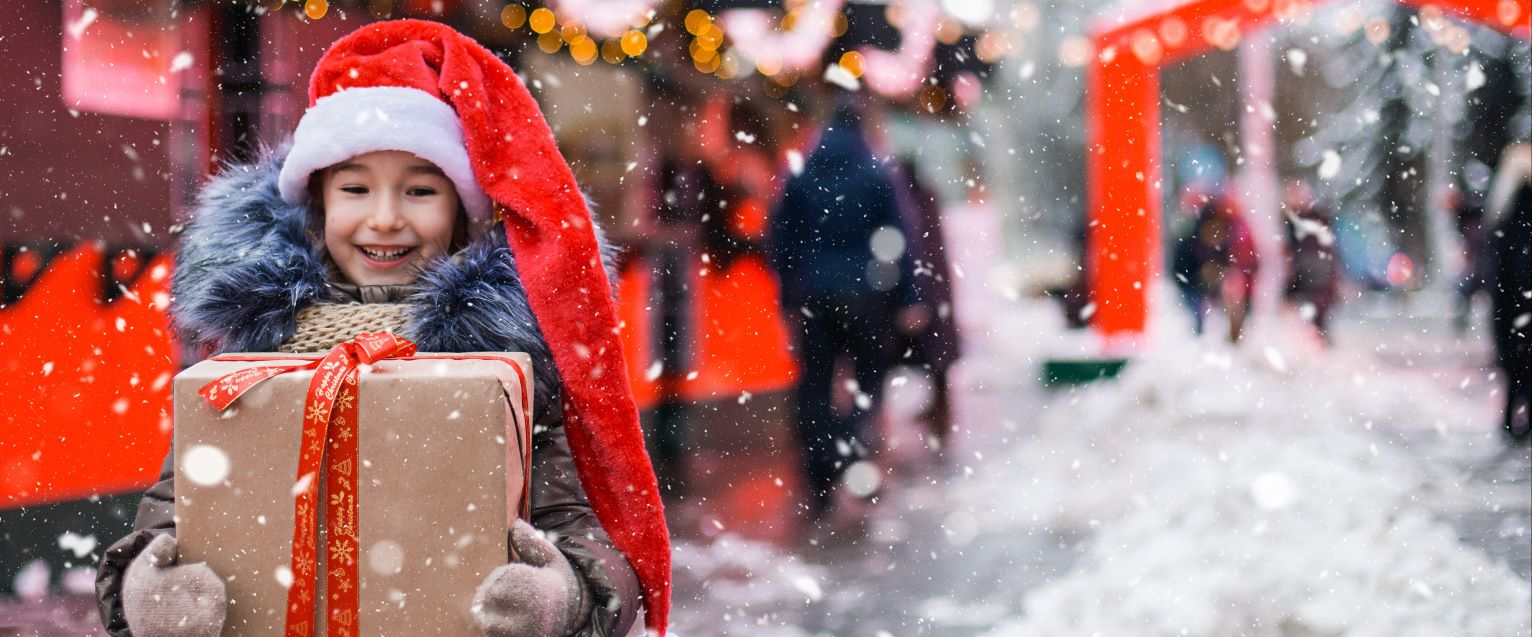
(1122, 111)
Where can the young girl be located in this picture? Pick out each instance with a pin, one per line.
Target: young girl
(422, 193)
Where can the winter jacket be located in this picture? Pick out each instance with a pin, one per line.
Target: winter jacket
(1217, 258)
(248, 263)
(821, 238)
(1315, 273)
(1511, 305)
(937, 343)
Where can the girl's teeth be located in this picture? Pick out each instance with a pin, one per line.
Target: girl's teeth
(385, 255)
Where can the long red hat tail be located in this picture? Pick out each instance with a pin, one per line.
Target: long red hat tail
(551, 232)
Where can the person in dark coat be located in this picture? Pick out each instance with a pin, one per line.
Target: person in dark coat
(356, 227)
(688, 192)
(1468, 218)
(1216, 264)
(833, 243)
(928, 328)
(1511, 293)
(1313, 279)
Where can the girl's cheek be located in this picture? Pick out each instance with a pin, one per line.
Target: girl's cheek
(444, 231)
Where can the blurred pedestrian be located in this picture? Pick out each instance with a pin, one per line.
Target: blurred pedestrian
(742, 344)
(1215, 264)
(928, 330)
(832, 244)
(687, 192)
(1510, 213)
(1188, 255)
(1468, 217)
(1313, 281)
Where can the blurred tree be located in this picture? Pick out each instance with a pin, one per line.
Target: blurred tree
(1401, 70)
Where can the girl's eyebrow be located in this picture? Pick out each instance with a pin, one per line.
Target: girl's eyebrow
(428, 169)
(339, 168)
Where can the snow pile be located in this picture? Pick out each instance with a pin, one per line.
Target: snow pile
(748, 578)
(1235, 493)
(747, 571)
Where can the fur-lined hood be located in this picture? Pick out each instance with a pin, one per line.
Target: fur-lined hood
(246, 266)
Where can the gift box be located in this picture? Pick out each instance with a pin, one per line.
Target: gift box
(391, 529)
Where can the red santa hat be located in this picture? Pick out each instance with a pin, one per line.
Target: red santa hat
(424, 88)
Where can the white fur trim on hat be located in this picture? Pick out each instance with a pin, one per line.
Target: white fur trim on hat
(357, 121)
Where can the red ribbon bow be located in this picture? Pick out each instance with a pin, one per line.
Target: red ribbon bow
(330, 420)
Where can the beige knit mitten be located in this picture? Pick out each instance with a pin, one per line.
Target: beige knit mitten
(163, 599)
(540, 596)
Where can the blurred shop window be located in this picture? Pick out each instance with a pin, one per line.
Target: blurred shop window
(126, 58)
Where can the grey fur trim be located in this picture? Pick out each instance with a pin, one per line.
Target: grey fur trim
(247, 265)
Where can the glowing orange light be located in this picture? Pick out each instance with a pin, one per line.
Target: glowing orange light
(769, 65)
(1400, 269)
(1173, 31)
(572, 31)
(542, 21)
(315, 9)
(1074, 51)
(1458, 40)
(611, 52)
(933, 99)
(948, 32)
(583, 49)
(1378, 30)
(789, 20)
(853, 62)
(513, 16)
(711, 37)
(549, 42)
(1508, 12)
(1223, 34)
(634, 43)
(1026, 16)
(993, 45)
(697, 20)
(1146, 47)
(1432, 18)
(729, 69)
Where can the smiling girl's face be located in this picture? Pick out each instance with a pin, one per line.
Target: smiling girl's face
(387, 214)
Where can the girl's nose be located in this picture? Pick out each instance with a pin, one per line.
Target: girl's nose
(385, 217)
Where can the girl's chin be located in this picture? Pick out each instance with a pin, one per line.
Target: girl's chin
(369, 281)
(366, 274)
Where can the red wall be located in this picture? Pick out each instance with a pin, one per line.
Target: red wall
(84, 379)
(64, 173)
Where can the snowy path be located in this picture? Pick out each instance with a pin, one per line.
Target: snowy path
(1268, 490)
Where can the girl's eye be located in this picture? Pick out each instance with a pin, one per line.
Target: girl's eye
(355, 190)
(422, 192)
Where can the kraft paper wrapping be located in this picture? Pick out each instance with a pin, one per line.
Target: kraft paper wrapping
(442, 446)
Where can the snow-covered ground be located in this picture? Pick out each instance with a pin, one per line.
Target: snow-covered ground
(1271, 489)
(1253, 492)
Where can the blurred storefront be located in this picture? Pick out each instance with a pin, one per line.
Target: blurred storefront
(132, 104)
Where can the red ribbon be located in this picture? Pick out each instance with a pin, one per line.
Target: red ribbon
(330, 440)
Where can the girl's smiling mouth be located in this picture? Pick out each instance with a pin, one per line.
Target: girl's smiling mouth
(386, 256)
